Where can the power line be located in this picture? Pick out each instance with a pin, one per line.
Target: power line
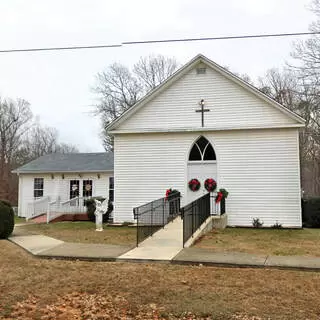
(225, 37)
(271, 35)
(62, 48)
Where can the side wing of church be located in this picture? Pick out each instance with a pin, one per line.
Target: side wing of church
(204, 122)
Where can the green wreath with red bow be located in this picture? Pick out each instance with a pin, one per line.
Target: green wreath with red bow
(210, 184)
(194, 185)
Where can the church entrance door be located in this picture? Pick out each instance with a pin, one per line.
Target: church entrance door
(202, 164)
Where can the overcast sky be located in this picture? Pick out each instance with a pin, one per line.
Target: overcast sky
(57, 84)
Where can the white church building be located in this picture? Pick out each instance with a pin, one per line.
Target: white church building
(203, 122)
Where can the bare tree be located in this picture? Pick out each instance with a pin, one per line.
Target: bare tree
(21, 140)
(307, 53)
(153, 70)
(39, 141)
(119, 89)
(15, 120)
(282, 86)
(66, 148)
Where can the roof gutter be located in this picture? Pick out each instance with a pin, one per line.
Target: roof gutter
(59, 171)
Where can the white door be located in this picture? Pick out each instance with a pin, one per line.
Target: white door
(200, 171)
(202, 165)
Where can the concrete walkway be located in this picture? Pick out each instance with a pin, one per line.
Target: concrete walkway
(202, 256)
(46, 247)
(164, 245)
(151, 250)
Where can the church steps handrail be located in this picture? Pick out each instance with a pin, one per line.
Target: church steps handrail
(37, 207)
(42, 199)
(64, 203)
(50, 204)
(194, 214)
(148, 203)
(70, 200)
(138, 212)
(56, 208)
(154, 215)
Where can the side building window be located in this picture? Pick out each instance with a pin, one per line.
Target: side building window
(111, 189)
(38, 187)
(74, 189)
(87, 188)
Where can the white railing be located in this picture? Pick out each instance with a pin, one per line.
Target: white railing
(52, 210)
(55, 208)
(72, 206)
(37, 207)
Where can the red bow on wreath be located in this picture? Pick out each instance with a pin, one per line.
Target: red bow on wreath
(194, 184)
(219, 197)
(210, 184)
(168, 191)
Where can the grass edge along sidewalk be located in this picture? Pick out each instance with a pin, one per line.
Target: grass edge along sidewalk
(42, 246)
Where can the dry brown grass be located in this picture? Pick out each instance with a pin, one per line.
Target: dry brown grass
(63, 290)
(263, 241)
(81, 232)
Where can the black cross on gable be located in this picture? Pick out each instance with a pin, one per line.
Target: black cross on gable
(202, 110)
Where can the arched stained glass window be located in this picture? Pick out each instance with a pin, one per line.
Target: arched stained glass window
(202, 150)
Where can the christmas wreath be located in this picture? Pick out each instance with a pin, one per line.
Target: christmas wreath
(210, 184)
(170, 193)
(194, 184)
(222, 194)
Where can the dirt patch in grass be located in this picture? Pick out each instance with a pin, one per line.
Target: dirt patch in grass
(33, 288)
(263, 241)
(81, 232)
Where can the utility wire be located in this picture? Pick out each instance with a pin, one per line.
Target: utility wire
(62, 48)
(226, 37)
(272, 35)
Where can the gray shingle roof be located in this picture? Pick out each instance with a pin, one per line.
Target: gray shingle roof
(69, 162)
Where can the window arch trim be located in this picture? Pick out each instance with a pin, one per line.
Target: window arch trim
(196, 145)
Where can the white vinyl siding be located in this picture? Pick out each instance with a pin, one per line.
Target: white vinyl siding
(231, 106)
(259, 168)
(59, 187)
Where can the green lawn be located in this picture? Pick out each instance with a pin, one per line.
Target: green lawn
(82, 232)
(19, 220)
(263, 241)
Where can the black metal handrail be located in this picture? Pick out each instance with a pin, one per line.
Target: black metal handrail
(155, 215)
(193, 215)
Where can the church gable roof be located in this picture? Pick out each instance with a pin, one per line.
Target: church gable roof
(233, 103)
